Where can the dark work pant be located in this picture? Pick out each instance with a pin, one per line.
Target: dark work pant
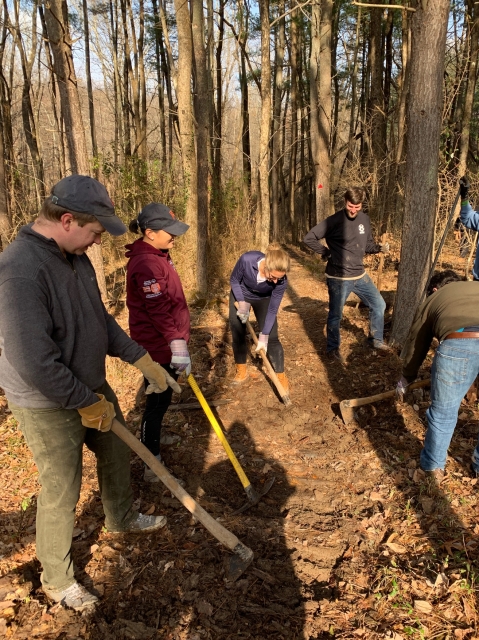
(238, 331)
(156, 406)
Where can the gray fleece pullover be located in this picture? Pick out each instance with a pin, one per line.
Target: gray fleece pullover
(54, 329)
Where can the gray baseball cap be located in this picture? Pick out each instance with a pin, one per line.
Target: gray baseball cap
(157, 216)
(82, 194)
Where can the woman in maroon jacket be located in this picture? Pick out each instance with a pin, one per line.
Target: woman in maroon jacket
(159, 316)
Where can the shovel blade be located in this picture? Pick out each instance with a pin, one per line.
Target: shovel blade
(238, 563)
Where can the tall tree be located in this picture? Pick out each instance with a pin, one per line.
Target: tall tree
(186, 122)
(202, 112)
(264, 230)
(56, 18)
(91, 105)
(429, 28)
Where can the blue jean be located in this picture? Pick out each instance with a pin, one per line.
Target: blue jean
(56, 438)
(455, 367)
(364, 288)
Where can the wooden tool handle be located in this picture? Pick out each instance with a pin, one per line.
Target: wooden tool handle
(359, 402)
(271, 372)
(214, 527)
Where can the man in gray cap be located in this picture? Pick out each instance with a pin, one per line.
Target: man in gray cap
(55, 334)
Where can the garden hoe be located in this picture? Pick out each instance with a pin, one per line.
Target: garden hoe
(271, 372)
(242, 555)
(253, 496)
(346, 406)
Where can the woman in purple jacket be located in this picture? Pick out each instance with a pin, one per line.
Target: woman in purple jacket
(258, 280)
(158, 312)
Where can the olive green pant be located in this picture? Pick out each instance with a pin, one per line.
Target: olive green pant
(56, 438)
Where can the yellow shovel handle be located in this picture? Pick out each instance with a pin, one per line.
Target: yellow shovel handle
(214, 423)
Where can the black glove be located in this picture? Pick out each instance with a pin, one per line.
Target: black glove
(464, 186)
(325, 256)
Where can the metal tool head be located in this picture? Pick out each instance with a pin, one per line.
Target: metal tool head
(254, 496)
(236, 564)
(347, 412)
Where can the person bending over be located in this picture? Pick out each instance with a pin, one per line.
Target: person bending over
(259, 280)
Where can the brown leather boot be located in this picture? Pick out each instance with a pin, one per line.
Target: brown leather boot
(241, 374)
(284, 381)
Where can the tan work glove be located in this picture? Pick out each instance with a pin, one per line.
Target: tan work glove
(98, 415)
(157, 377)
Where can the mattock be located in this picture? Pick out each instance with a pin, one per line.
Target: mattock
(253, 496)
(242, 555)
(346, 406)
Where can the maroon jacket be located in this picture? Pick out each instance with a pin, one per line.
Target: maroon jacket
(155, 300)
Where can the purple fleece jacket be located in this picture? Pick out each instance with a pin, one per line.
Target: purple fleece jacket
(245, 286)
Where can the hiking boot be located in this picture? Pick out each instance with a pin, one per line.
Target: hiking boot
(75, 596)
(241, 374)
(284, 381)
(335, 354)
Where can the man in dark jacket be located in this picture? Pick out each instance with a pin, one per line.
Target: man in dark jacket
(348, 235)
(55, 334)
(450, 314)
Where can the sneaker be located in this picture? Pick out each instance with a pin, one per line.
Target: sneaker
(379, 345)
(150, 476)
(436, 475)
(75, 596)
(335, 354)
(146, 523)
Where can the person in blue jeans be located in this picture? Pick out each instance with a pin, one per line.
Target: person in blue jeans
(450, 314)
(348, 237)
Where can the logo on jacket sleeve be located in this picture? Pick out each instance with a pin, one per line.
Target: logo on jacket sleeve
(151, 288)
(361, 228)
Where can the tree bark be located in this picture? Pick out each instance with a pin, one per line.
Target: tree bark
(473, 12)
(202, 111)
(185, 116)
(56, 18)
(277, 161)
(265, 120)
(91, 106)
(429, 27)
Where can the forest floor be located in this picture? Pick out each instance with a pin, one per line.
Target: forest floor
(350, 542)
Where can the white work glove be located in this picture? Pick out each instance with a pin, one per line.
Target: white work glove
(401, 388)
(262, 343)
(243, 311)
(384, 248)
(180, 360)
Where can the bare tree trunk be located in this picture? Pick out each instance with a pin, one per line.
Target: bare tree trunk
(470, 88)
(161, 95)
(429, 26)
(202, 111)
(277, 161)
(91, 106)
(56, 18)
(185, 115)
(294, 125)
(28, 117)
(321, 105)
(265, 120)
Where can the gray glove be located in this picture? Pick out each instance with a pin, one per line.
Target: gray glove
(243, 311)
(401, 388)
(384, 248)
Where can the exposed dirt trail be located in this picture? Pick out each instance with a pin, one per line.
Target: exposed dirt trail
(346, 543)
